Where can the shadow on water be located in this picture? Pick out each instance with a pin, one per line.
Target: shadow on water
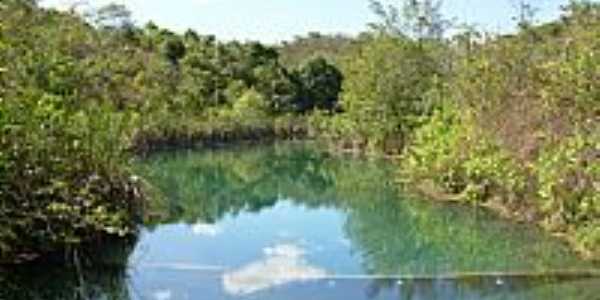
(287, 221)
(100, 273)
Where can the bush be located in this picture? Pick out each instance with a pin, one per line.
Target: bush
(569, 185)
(450, 151)
(520, 123)
(251, 105)
(384, 92)
(64, 178)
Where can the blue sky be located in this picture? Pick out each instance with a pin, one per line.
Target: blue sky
(275, 20)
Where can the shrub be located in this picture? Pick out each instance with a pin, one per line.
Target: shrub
(450, 151)
(64, 179)
(569, 177)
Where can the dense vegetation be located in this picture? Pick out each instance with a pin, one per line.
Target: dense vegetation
(512, 122)
(78, 94)
(509, 121)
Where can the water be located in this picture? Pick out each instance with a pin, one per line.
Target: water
(288, 221)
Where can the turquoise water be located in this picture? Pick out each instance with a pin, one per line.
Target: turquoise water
(288, 221)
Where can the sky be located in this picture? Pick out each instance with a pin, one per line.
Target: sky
(272, 21)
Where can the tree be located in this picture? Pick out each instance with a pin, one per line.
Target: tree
(419, 19)
(275, 83)
(115, 16)
(385, 88)
(320, 85)
(191, 36)
(173, 49)
(526, 14)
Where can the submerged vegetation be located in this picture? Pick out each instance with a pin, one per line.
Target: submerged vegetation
(508, 121)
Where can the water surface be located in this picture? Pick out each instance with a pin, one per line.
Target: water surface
(288, 221)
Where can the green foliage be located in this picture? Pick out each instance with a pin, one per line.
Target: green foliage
(450, 151)
(113, 16)
(173, 49)
(433, 151)
(63, 180)
(250, 105)
(385, 88)
(331, 47)
(569, 187)
(77, 97)
(419, 19)
(519, 126)
(216, 75)
(506, 117)
(320, 85)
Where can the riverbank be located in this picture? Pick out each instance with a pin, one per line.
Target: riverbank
(507, 121)
(494, 182)
(557, 189)
(79, 97)
(525, 214)
(221, 132)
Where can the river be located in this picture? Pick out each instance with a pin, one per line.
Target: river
(289, 221)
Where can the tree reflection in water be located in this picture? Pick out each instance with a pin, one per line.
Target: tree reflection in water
(387, 235)
(100, 273)
(392, 234)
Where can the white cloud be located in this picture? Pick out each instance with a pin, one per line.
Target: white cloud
(182, 267)
(163, 295)
(281, 265)
(345, 242)
(285, 250)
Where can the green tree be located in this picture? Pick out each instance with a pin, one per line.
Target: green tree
(320, 85)
(113, 15)
(385, 88)
(419, 19)
(173, 48)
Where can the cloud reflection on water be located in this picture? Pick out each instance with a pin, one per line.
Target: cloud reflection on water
(203, 229)
(163, 295)
(281, 264)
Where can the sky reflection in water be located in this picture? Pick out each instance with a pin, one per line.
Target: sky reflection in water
(290, 222)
